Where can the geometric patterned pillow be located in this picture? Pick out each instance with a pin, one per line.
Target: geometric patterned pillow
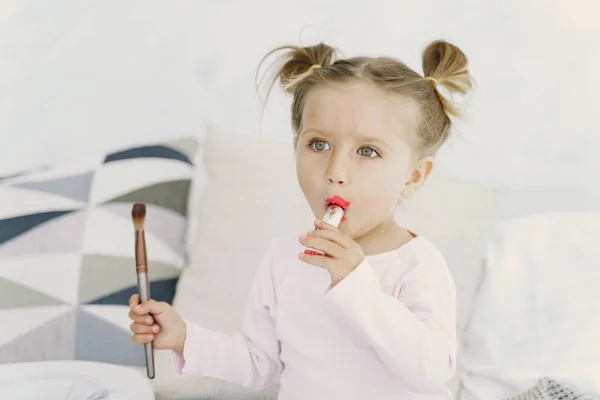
(67, 264)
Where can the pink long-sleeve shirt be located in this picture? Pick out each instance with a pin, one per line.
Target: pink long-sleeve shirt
(386, 331)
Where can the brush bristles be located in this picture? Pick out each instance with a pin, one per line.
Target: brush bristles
(138, 214)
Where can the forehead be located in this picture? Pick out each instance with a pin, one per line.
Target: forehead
(360, 109)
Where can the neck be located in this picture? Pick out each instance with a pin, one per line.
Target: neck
(385, 237)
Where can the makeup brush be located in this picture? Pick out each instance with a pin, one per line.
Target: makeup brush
(138, 214)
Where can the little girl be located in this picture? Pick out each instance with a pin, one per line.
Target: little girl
(374, 318)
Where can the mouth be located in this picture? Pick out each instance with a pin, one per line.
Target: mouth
(338, 201)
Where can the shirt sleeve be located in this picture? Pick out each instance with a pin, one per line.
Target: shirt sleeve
(249, 358)
(414, 333)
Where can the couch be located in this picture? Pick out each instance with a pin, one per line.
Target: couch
(217, 199)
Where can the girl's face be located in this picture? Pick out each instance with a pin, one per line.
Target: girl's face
(357, 143)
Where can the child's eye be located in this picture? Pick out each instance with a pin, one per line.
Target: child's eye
(368, 152)
(319, 145)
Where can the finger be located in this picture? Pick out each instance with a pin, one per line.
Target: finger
(151, 307)
(134, 299)
(142, 338)
(320, 224)
(141, 319)
(140, 328)
(318, 261)
(330, 248)
(334, 235)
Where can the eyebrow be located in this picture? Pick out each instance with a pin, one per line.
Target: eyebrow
(362, 138)
(305, 131)
(371, 139)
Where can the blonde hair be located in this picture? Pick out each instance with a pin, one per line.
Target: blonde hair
(444, 65)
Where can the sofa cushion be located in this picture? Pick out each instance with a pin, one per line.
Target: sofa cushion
(537, 314)
(60, 380)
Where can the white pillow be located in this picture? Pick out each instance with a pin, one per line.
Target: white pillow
(538, 312)
(252, 195)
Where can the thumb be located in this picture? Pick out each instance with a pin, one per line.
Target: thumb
(151, 307)
(133, 300)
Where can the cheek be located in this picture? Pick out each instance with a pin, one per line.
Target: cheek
(305, 172)
(384, 185)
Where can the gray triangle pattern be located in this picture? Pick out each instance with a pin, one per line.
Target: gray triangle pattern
(100, 341)
(54, 340)
(186, 146)
(13, 295)
(64, 234)
(164, 224)
(75, 187)
(102, 275)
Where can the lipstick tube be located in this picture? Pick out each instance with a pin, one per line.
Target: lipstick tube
(333, 216)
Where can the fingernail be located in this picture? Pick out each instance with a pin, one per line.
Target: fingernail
(303, 237)
(155, 328)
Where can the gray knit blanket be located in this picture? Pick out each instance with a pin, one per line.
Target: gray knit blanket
(549, 389)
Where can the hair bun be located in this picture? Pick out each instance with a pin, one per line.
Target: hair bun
(447, 65)
(296, 63)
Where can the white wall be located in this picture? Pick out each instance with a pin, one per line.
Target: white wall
(78, 75)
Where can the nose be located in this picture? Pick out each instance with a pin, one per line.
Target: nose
(337, 171)
(337, 181)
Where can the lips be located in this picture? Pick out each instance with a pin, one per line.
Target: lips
(340, 202)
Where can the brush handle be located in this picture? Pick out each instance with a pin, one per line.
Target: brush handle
(144, 290)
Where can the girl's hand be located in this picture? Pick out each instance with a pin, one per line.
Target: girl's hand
(343, 254)
(156, 321)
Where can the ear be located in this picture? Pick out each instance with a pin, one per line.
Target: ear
(418, 177)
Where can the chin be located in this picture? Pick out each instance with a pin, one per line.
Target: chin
(350, 229)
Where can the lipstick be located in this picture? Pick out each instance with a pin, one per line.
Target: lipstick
(333, 216)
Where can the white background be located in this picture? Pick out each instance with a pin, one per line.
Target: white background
(81, 75)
